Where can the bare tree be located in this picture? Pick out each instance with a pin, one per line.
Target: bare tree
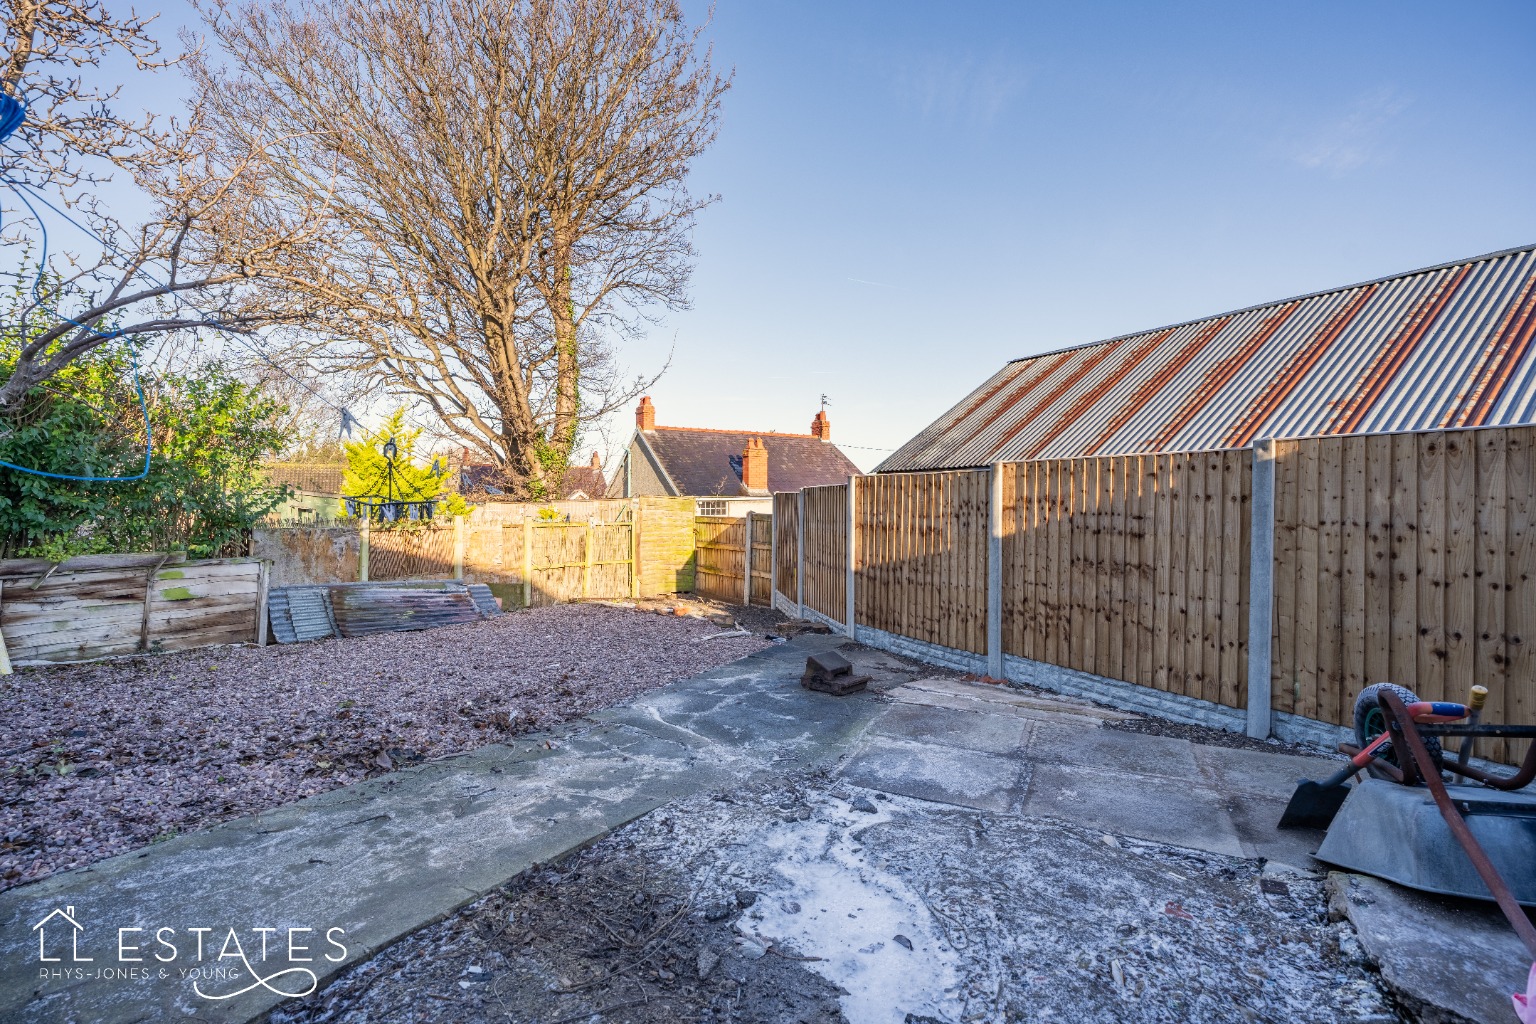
(198, 260)
(71, 122)
(503, 179)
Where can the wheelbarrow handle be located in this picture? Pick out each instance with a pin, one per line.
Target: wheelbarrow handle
(1357, 762)
(1426, 711)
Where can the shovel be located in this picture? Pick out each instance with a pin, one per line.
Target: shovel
(1314, 804)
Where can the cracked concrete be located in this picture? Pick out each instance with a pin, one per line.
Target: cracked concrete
(384, 858)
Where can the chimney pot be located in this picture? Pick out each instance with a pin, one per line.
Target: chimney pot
(754, 466)
(597, 463)
(821, 427)
(645, 414)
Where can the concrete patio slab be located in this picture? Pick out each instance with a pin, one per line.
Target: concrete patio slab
(1449, 961)
(1161, 757)
(995, 694)
(940, 774)
(1162, 810)
(1260, 772)
(992, 734)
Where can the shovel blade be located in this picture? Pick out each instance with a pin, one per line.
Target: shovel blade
(1313, 805)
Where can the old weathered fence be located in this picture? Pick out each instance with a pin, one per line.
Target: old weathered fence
(626, 548)
(1408, 558)
(725, 547)
(104, 605)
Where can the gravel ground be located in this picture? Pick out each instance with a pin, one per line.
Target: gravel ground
(105, 757)
(806, 900)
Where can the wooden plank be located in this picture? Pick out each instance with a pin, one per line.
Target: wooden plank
(1217, 559)
(1352, 555)
(1284, 685)
(1046, 592)
(1330, 580)
(1432, 529)
(1378, 559)
(1113, 469)
(1233, 510)
(1308, 517)
(1146, 664)
(1405, 561)
(1460, 561)
(1163, 569)
(1519, 705)
(1082, 626)
(1178, 550)
(1131, 474)
(1491, 567)
(1195, 506)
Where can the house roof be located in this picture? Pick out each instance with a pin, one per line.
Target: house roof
(588, 480)
(1446, 346)
(707, 463)
(307, 477)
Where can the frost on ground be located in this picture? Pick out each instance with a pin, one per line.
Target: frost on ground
(101, 758)
(804, 900)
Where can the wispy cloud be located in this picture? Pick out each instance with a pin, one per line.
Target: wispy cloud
(877, 284)
(1355, 138)
(968, 88)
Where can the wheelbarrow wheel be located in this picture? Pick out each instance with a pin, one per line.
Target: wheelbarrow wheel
(1371, 721)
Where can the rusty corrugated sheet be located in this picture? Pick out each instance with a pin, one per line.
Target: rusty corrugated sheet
(1453, 345)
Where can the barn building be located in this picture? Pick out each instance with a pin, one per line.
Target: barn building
(1446, 346)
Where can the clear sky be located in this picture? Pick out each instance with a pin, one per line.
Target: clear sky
(914, 193)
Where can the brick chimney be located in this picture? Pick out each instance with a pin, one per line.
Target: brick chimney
(821, 427)
(645, 414)
(597, 463)
(754, 467)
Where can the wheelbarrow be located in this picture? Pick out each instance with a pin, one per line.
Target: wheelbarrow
(1479, 842)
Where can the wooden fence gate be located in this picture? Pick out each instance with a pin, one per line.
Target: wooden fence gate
(726, 545)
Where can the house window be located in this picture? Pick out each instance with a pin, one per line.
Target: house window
(711, 508)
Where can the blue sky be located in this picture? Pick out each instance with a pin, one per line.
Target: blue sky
(914, 193)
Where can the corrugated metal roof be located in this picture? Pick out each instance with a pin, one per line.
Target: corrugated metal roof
(1446, 346)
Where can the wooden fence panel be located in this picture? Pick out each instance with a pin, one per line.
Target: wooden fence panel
(826, 540)
(722, 547)
(1412, 561)
(1131, 567)
(762, 559)
(786, 531)
(922, 556)
(415, 553)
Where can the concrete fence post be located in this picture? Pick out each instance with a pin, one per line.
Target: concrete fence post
(1261, 588)
(800, 554)
(746, 587)
(995, 574)
(850, 625)
(458, 547)
(586, 561)
(263, 587)
(634, 547)
(527, 564)
(362, 547)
